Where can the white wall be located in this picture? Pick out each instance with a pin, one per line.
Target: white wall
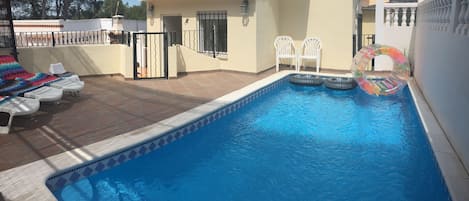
(267, 30)
(442, 70)
(103, 23)
(390, 33)
(38, 25)
(75, 25)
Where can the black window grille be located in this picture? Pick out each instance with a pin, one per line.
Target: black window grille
(212, 31)
(7, 40)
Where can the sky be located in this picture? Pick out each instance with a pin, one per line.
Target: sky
(132, 2)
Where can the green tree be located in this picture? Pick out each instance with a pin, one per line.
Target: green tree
(76, 9)
(137, 12)
(109, 8)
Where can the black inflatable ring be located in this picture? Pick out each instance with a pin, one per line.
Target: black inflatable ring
(305, 79)
(340, 83)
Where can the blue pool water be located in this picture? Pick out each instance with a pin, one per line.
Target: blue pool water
(294, 143)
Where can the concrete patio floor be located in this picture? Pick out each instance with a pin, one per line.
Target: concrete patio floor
(110, 106)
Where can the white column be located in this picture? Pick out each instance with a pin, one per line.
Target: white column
(395, 22)
(412, 17)
(380, 61)
(404, 17)
(388, 17)
(379, 21)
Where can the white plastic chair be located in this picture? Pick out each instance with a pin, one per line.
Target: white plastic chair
(311, 48)
(284, 49)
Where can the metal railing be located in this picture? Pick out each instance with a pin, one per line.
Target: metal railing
(52, 39)
(150, 53)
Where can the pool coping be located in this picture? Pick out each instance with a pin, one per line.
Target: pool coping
(453, 171)
(27, 182)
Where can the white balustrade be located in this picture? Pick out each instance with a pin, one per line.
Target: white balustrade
(436, 14)
(49, 39)
(465, 28)
(412, 17)
(388, 17)
(398, 12)
(460, 17)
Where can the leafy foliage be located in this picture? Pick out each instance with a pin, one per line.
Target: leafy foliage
(75, 9)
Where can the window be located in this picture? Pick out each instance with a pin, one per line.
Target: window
(212, 31)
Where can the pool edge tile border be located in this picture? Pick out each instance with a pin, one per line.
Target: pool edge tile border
(28, 182)
(451, 167)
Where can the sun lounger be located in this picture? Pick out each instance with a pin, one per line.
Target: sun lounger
(26, 89)
(15, 106)
(67, 85)
(58, 70)
(10, 69)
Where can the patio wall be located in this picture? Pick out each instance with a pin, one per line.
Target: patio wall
(441, 70)
(83, 60)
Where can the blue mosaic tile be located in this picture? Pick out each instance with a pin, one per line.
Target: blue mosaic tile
(111, 162)
(100, 167)
(152, 146)
(132, 154)
(75, 176)
(122, 158)
(169, 138)
(186, 130)
(142, 150)
(87, 172)
(178, 135)
(60, 182)
(161, 142)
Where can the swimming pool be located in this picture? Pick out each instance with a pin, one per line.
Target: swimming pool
(290, 143)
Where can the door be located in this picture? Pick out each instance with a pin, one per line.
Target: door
(150, 55)
(173, 25)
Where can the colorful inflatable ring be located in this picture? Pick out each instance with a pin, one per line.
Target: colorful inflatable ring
(385, 86)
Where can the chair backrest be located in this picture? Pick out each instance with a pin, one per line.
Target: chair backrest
(284, 45)
(9, 68)
(57, 68)
(311, 46)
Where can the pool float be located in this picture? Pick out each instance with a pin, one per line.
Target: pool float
(384, 86)
(340, 83)
(306, 79)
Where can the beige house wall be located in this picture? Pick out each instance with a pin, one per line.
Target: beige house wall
(333, 24)
(83, 60)
(250, 45)
(368, 22)
(241, 55)
(268, 27)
